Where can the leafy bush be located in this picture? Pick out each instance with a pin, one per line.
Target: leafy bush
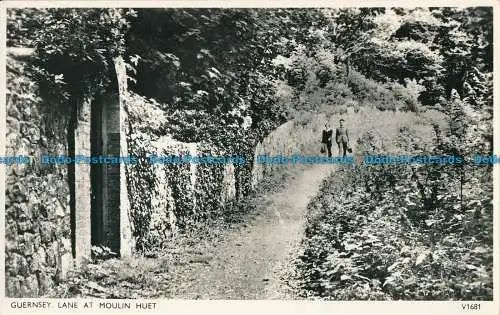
(408, 94)
(400, 232)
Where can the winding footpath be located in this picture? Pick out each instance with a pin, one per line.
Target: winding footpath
(245, 263)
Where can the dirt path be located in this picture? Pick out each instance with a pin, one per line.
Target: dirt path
(244, 264)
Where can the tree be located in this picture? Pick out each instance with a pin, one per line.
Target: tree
(74, 47)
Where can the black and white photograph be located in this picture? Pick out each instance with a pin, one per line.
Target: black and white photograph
(316, 153)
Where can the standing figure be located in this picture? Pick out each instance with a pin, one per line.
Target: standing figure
(326, 139)
(342, 138)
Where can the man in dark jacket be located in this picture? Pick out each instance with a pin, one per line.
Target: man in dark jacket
(326, 139)
(342, 138)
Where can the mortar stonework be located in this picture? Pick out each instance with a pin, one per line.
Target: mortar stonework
(37, 199)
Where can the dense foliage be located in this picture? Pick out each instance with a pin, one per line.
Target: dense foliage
(74, 47)
(389, 232)
(428, 51)
(216, 71)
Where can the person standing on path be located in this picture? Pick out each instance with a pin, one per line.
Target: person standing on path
(342, 138)
(327, 139)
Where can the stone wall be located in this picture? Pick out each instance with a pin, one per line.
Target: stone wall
(282, 141)
(37, 204)
(167, 198)
(49, 206)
